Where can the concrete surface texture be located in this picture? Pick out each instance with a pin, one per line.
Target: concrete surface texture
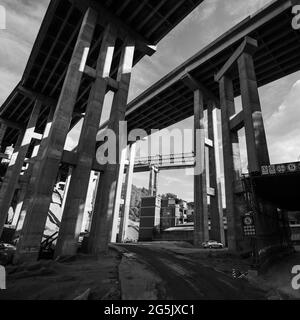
(151, 271)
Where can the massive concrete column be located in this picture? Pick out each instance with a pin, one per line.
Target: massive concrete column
(24, 184)
(47, 166)
(155, 183)
(32, 172)
(3, 129)
(153, 179)
(106, 211)
(235, 205)
(254, 126)
(200, 187)
(13, 172)
(128, 189)
(75, 202)
(257, 151)
(216, 210)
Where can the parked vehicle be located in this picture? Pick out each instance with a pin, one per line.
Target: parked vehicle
(212, 244)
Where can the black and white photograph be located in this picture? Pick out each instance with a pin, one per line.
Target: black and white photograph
(149, 154)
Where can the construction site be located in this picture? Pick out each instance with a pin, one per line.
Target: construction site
(74, 221)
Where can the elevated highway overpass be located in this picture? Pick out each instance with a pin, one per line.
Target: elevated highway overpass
(260, 49)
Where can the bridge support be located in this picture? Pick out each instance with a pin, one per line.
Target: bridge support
(235, 204)
(31, 174)
(17, 219)
(128, 188)
(251, 119)
(106, 211)
(13, 172)
(72, 218)
(153, 180)
(215, 207)
(48, 164)
(204, 160)
(3, 129)
(201, 232)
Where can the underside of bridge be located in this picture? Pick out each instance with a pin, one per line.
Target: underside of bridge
(85, 49)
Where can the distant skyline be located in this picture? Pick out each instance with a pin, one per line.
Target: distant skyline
(280, 100)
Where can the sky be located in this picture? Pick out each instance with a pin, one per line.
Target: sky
(280, 100)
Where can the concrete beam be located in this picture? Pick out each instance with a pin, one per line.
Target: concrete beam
(4, 156)
(249, 45)
(12, 124)
(37, 96)
(112, 84)
(70, 158)
(194, 84)
(237, 121)
(124, 31)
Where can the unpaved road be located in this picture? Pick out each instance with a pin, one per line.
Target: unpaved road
(184, 278)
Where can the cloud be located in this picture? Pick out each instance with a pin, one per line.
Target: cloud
(280, 100)
(283, 130)
(23, 20)
(242, 9)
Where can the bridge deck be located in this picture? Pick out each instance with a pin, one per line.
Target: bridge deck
(169, 100)
(47, 65)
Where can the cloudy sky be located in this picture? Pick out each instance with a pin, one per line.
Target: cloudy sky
(280, 100)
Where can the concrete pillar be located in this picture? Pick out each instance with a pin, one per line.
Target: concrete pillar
(3, 129)
(155, 183)
(95, 221)
(13, 172)
(48, 165)
(128, 189)
(31, 173)
(151, 181)
(235, 204)
(200, 187)
(72, 218)
(106, 211)
(23, 186)
(66, 189)
(254, 126)
(118, 198)
(257, 150)
(216, 211)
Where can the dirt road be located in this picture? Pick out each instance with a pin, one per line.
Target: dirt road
(183, 278)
